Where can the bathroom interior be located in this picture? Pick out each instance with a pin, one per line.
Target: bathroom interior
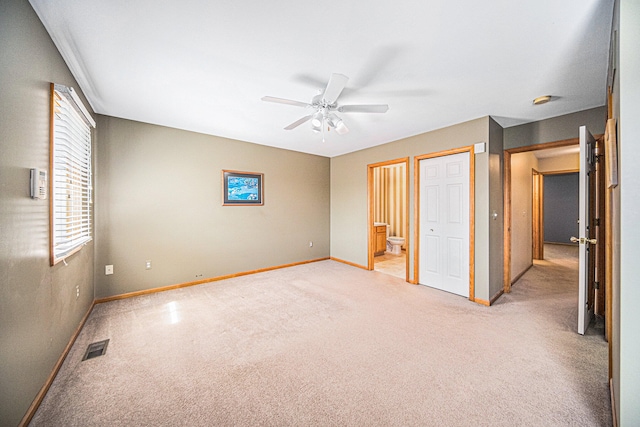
(390, 219)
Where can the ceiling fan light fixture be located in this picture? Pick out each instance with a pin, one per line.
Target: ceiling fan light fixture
(542, 100)
(333, 120)
(316, 122)
(341, 128)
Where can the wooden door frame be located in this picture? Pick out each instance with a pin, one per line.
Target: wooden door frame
(537, 215)
(507, 198)
(370, 213)
(538, 204)
(416, 214)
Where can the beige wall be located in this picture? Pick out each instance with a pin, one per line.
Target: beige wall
(521, 211)
(349, 230)
(39, 311)
(159, 198)
(567, 162)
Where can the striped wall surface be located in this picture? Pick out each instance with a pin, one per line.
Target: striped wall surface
(389, 194)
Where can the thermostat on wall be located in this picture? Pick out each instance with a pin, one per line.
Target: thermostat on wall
(479, 147)
(38, 184)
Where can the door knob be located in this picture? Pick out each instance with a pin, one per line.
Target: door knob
(583, 240)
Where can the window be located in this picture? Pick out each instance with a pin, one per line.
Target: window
(70, 173)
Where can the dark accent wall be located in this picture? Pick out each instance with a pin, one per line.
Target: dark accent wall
(561, 203)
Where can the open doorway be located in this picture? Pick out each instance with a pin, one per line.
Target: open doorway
(525, 171)
(388, 219)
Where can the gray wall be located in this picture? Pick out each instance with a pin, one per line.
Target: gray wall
(495, 241)
(556, 128)
(39, 311)
(159, 197)
(561, 207)
(349, 196)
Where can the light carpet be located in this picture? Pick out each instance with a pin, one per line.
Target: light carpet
(327, 344)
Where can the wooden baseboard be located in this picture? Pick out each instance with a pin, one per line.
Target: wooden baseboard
(47, 384)
(353, 264)
(202, 281)
(515, 279)
(614, 418)
(491, 301)
(496, 296)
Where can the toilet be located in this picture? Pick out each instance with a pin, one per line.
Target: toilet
(394, 245)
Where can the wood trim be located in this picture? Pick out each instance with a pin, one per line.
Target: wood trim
(472, 223)
(491, 301)
(353, 264)
(507, 197)
(202, 281)
(515, 279)
(49, 381)
(537, 215)
(614, 417)
(416, 218)
(496, 296)
(52, 260)
(608, 232)
(408, 242)
(506, 265)
(544, 146)
(370, 213)
(416, 211)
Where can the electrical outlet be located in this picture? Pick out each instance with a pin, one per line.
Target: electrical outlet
(310, 243)
(148, 265)
(108, 269)
(77, 291)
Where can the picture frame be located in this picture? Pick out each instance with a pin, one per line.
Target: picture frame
(242, 188)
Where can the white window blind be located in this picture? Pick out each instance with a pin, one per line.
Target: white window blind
(70, 177)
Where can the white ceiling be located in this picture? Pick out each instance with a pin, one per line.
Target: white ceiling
(203, 65)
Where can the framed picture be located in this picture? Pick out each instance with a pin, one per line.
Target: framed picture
(242, 188)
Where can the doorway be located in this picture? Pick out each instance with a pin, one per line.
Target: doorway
(388, 219)
(518, 221)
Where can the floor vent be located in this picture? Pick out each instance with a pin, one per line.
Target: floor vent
(96, 349)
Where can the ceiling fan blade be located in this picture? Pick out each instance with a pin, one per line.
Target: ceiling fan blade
(381, 108)
(299, 122)
(285, 101)
(334, 88)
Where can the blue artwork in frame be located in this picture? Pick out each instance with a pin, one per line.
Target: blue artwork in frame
(242, 188)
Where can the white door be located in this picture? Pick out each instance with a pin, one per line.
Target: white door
(444, 223)
(585, 312)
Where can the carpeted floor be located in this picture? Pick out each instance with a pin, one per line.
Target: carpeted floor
(326, 344)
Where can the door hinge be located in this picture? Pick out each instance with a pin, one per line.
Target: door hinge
(596, 222)
(596, 285)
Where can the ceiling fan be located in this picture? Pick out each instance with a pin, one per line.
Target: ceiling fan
(325, 105)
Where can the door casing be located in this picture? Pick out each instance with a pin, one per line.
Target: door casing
(370, 213)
